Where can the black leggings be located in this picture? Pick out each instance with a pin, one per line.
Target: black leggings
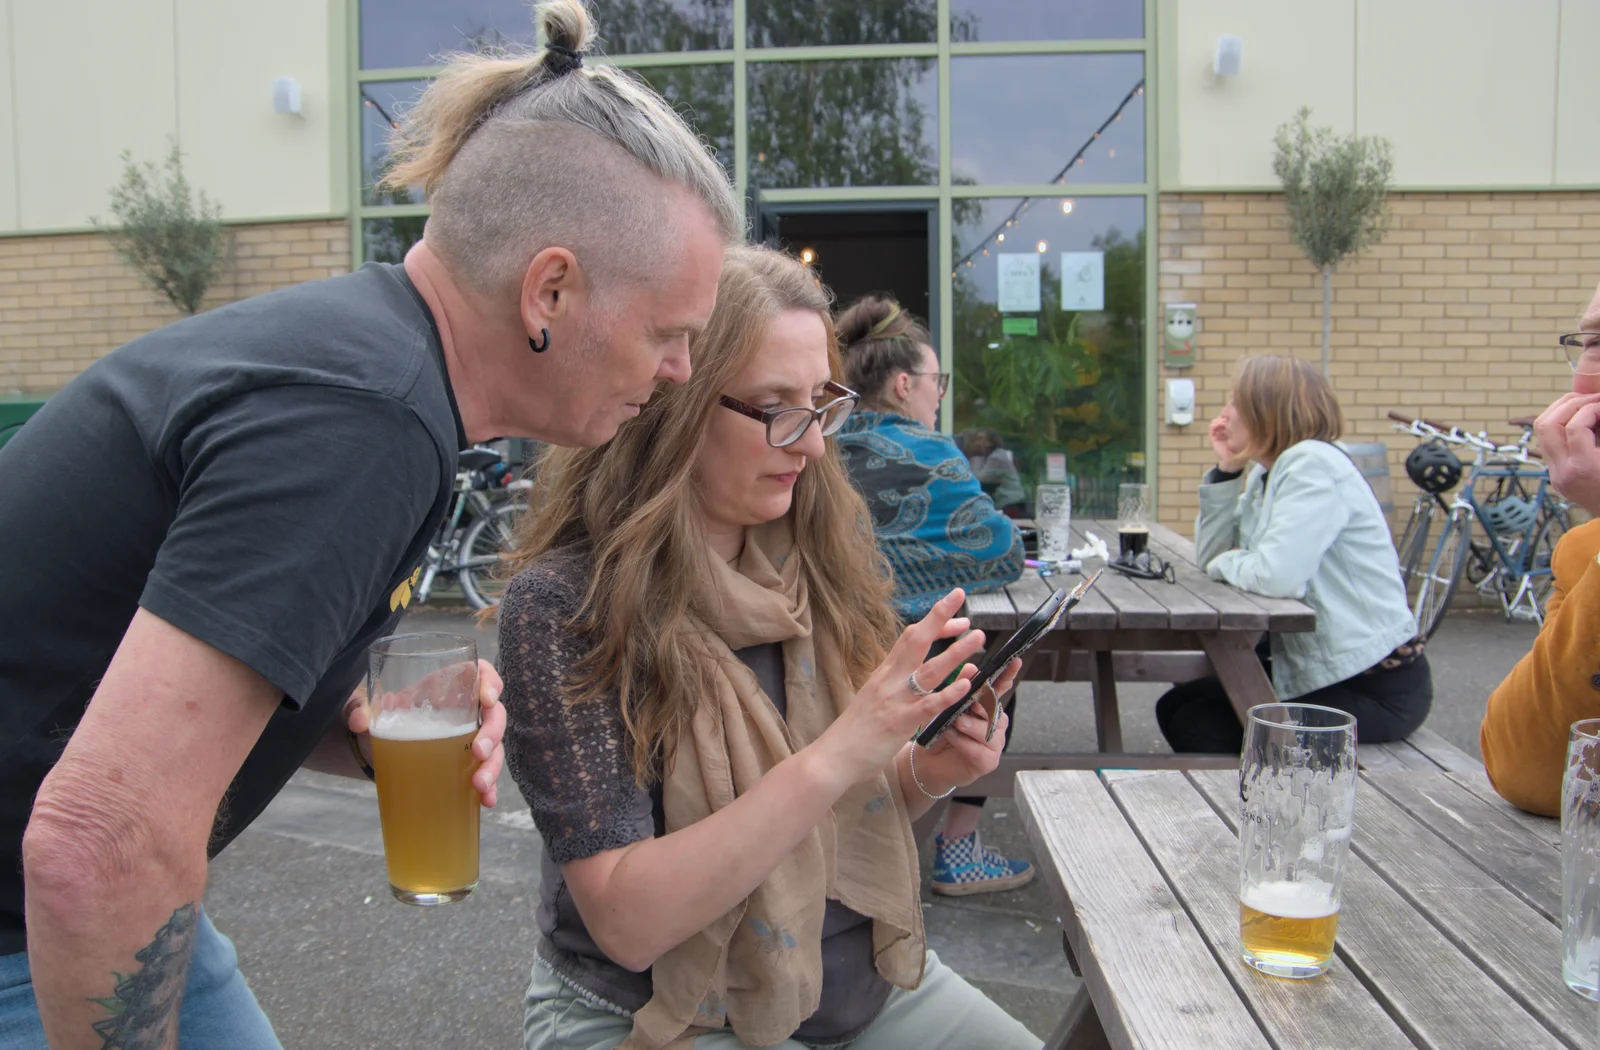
(1388, 705)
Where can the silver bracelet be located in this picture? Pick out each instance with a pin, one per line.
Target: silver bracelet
(912, 760)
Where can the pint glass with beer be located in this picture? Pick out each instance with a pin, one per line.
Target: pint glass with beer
(422, 706)
(1133, 519)
(1297, 790)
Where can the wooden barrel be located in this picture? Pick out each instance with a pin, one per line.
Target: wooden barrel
(1372, 459)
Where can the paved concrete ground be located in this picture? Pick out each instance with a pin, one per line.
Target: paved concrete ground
(338, 964)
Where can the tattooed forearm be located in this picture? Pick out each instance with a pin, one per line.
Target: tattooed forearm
(144, 1005)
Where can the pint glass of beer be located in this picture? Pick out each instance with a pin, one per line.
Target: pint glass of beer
(1133, 519)
(1297, 791)
(1580, 860)
(422, 705)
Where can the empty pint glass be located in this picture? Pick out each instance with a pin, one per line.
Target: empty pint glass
(422, 705)
(1297, 790)
(1053, 515)
(1580, 860)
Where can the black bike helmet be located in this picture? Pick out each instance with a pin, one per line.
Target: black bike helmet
(1433, 468)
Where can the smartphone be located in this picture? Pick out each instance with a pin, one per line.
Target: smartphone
(1045, 617)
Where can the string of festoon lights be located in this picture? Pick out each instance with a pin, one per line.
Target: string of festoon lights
(998, 234)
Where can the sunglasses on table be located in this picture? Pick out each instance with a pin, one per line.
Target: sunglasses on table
(787, 425)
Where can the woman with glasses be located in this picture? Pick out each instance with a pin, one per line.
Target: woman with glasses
(934, 523)
(710, 703)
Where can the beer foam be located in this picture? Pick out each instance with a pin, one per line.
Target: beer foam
(1311, 899)
(422, 723)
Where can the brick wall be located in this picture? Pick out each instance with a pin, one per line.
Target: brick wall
(1453, 317)
(67, 300)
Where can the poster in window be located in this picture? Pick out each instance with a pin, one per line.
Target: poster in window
(1019, 282)
(1083, 280)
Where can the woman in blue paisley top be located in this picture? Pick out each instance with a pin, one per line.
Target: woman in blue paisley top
(933, 521)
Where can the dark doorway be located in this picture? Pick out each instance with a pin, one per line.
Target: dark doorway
(873, 246)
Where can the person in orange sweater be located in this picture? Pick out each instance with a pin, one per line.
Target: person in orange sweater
(1525, 729)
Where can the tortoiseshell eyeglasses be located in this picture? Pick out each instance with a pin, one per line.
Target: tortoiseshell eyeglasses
(785, 426)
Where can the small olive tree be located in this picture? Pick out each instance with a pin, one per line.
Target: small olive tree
(1336, 189)
(167, 231)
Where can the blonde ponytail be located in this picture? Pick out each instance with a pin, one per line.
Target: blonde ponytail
(471, 87)
(517, 152)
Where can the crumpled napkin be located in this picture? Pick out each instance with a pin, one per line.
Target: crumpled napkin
(1095, 548)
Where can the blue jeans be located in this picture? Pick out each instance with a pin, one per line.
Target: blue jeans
(218, 1012)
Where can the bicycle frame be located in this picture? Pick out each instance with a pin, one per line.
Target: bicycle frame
(1509, 562)
(1513, 559)
(444, 544)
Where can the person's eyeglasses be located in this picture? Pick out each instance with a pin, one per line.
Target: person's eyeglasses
(785, 426)
(944, 379)
(1582, 348)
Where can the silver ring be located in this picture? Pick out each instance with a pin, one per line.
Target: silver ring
(916, 687)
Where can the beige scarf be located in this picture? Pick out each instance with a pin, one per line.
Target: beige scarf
(758, 968)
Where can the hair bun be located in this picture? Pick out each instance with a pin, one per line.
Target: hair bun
(566, 27)
(870, 317)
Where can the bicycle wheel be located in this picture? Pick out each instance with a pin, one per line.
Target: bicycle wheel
(1540, 581)
(1414, 541)
(483, 553)
(1443, 575)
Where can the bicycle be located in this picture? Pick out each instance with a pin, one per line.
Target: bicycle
(1521, 520)
(476, 535)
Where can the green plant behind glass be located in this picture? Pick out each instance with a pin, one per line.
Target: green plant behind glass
(1076, 387)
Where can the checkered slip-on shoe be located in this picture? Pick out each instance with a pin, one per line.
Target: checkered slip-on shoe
(965, 866)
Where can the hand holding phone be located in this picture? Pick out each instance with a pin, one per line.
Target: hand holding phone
(1045, 617)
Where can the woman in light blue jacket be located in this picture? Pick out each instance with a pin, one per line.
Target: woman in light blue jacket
(1286, 514)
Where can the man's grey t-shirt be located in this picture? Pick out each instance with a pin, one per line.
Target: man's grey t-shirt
(265, 477)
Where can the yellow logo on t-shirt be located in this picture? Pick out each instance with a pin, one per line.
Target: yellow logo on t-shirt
(401, 597)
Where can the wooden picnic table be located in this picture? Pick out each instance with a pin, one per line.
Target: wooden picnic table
(1143, 631)
(1449, 931)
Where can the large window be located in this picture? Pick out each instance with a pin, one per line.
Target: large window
(1049, 325)
(1038, 209)
(870, 122)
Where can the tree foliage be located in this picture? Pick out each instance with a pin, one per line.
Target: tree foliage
(1335, 187)
(169, 232)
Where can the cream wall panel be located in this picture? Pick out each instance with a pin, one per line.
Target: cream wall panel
(8, 127)
(253, 161)
(1465, 90)
(1295, 53)
(93, 79)
(1578, 95)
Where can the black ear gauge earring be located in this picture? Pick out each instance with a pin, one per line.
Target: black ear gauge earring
(539, 348)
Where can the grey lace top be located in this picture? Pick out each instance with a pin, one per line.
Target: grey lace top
(571, 763)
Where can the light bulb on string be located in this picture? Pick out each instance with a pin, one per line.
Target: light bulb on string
(1066, 207)
(1042, 246)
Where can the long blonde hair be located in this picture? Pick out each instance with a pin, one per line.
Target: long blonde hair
(636, 504)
